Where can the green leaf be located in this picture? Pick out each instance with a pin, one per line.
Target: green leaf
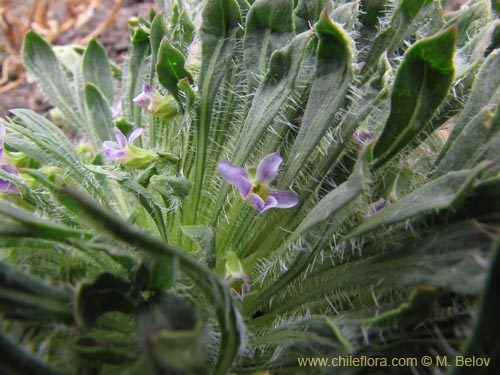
(18, 361)
(171, 336)
(443, 193)
(486, 91)
(106, 293)
(371, 12)
(278, 85)
(170, 67)
(221, 26)
(204, 236)
(156, 273)
(14, 279)
(483, 342)
(97, 70)
(133, 72)
(331, 81)
(19, 305)
(476, 143)
(467, 18)
(422, 83)
(99, 114)
(158, 32)
(307, 12)
(183, 30)
(33, 225)
(91, 350)
(406, 19)
(41, 62)
(444, 259)
(269, 26)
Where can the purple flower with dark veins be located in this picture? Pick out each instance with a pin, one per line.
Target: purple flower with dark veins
(254, 187)
(7, 186)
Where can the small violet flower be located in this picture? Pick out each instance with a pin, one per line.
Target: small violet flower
(7, 186)
(123, 151)
(158, 105)
(235, 277)
(254, 186)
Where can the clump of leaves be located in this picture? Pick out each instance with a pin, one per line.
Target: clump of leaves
(279, 180)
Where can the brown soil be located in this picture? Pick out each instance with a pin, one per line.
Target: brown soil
(115, 38)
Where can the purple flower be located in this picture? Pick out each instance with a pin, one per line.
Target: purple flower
(155, 103)
(239, 284)
(362, 137)
(7, 186)
(145, 98)
(117, 150)
(2, 133)
(126, 153)
(255, 189)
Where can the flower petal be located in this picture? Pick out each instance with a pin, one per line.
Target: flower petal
(257, 202)
(271, 202)
(267, 170)
(8, 187)
(120, 138)
(136, 133)
(2, 130)
(9, 168)
(243, 185)
(230, 172)
(260, 205)
(113, 150)
(284, 198)
(145, 98)
(5, 185)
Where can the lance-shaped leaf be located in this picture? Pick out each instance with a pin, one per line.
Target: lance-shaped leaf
(97, 70)
(269, 27)
(132, 80)
(33, 225)
(405, 21)
(16, 360)
(100, 119)
(170, 67)
(307, 12)
(484, 339)
(442, 193)
(331, 81)
(220, 28)
(204, 236)
(474, 144)
(422, 82)
(13, 279)
(41, 62)
(486, 91)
